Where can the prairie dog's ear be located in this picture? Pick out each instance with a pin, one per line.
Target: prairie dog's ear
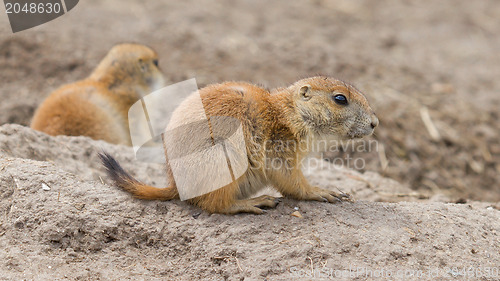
(142, 64)
(305, 92)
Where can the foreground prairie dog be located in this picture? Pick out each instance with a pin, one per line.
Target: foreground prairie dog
(310, 109)
(98, 106)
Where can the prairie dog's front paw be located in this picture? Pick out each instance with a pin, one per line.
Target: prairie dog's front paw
(324, 195)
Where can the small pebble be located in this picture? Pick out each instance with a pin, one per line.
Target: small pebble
(45, 187)
(296, 208)
(296, 214)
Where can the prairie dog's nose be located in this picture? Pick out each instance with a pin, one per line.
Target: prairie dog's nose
(374, 121)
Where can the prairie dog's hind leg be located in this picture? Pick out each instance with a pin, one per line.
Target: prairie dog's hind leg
(252, 205)
(224, 201)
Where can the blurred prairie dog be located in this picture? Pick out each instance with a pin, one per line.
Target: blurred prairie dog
(310, 109)
(98, 106)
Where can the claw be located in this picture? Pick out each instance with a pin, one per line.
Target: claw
(347, 197)
(342, 196)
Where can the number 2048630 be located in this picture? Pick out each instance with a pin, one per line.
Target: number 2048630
(32, 8)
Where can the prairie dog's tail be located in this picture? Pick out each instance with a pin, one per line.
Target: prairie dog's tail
(126, 182)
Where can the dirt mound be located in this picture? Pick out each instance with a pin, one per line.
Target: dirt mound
(60, 221)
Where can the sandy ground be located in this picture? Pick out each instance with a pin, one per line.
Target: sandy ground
(409, 57)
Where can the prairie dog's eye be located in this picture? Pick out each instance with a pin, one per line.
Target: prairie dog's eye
(155, 62)
(340, 99)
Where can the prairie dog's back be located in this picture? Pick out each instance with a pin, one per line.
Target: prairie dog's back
(98, 106)
(198, 116)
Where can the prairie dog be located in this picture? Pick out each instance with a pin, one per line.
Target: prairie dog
(98, 106)
(310, 109)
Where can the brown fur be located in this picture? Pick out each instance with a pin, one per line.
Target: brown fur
(298, 114)
(98, 105)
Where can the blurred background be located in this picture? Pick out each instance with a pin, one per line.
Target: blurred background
(430, 69)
